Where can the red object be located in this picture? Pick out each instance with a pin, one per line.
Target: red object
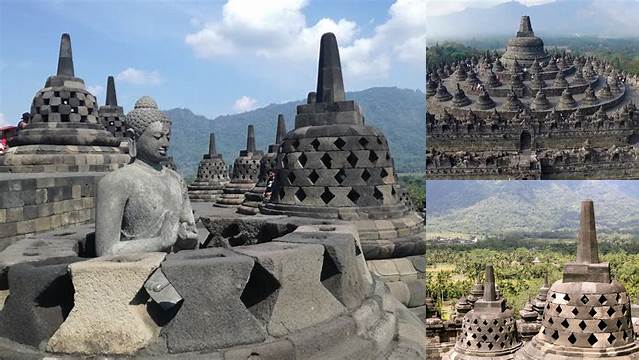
(6, 133)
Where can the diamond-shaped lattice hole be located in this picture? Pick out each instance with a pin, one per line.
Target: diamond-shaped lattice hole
(339, 143)
(592, 339)
(315, 144)
(565, 323)
(353, 196)
(372, 157)
(490, 330)
(313, 177)
(490, 346)
(352, 159)
(340, 176)
(366, 175)
(582, 325)
(575, 311)
(619, 324)
(602, 325)
(610, 311)
(302, 159)
(300, 194)
(555, 335)
(602, 299)
(584, 299)
(363, 142)
(566, 297)
(291, 177)
(379, 196)
(383, 173)
(551, 321)
(559, 310)
(611, 339)
(326, 160)
(572, 338)
(484, 337)
(327, 196)
(592, 312)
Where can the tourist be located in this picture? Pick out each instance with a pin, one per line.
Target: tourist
(269, 184)
(24, 122)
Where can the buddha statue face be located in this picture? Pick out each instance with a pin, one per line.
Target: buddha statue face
(153, 144)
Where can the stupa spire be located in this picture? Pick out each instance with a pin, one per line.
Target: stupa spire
(525, 28)
(212, 148)
(281, 129)
(111, 98)
(330, 85)
(490, 294)
(65, 59)
(250, 139)
(587, 250)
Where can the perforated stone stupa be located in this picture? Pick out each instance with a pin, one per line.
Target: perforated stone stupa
(333, 166)
(111, 115)
(212, 175)
(587, 315)
(64, 133)
(489, 330)
(253, 198)
(246, 169)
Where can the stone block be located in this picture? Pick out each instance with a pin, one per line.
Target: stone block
(317, 341)
(213, 314)
(25, 227)
(41, 297)
(275, 350)
(109, 315)
(15, 214)
(344, 272)
(76, 191)
(300, 300)
(3, 216)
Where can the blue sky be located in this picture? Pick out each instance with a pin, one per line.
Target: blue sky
(213, 57)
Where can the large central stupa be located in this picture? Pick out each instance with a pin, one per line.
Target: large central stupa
(526, 48)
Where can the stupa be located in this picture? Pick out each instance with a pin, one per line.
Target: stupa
(111, 115)
(212, 175)
(64, 134)
(489, 330)
(333, 166)
(246, 168)
(587, 315)
(254, 198)
(525, 48)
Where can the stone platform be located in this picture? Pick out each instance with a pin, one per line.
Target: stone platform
(305, 294)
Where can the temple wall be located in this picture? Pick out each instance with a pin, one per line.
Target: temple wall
(35, 203)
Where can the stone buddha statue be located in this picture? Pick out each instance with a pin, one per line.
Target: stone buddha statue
(144, 206)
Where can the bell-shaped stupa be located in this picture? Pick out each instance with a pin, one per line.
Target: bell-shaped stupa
(110, 114)
(212, 175)
(64, 134)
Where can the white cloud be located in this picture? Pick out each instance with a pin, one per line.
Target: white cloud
(278, 30)
(444, 7)
(139, 77)
(96, 90)
(244, 104)
(3, 120)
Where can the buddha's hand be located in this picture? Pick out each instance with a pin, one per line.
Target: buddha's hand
(187, 231)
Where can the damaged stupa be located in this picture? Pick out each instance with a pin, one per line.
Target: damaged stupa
(332, 166)
(253, 198)
(64, 134)
(303, 292)
(246, 169)
(212, 175)
(587, 314)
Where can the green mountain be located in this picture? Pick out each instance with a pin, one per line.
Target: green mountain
(398, 112)
(547, 209)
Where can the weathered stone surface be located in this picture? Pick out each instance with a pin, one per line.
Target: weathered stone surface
(161, 291)
(41, 296)
(109, 315)
(344, 272)
(300, 300)
(213, 315)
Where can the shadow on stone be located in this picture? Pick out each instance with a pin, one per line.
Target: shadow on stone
(160, 316)
(58, 294)
(261, 285)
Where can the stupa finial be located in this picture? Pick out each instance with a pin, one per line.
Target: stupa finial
(490, 293)
(212, 148)
(587, 249)
(281, 129)
(65, 59)
(330, 85)
(111, 98)
(525, 28)
(250, 139)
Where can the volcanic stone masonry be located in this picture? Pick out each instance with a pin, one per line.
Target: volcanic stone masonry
(111, 115)
(530, 114)
(64, 134)
(212, 175)
(246, 169)
(253, 198)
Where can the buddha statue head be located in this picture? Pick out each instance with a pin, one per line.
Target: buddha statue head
(149, 132)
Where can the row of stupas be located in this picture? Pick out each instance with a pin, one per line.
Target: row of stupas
(522, 114)
(585, 315)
